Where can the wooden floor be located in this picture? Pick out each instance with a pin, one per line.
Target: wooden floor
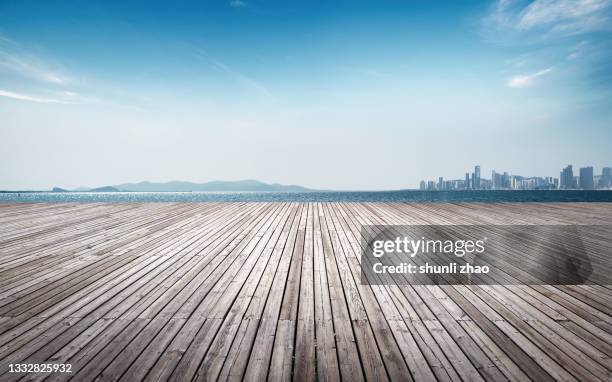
(217, 291)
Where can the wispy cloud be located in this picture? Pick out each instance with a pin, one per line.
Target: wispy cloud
(29, 98)
(579, 50)
(238, 77)
(242, 79)
(519, 61)
(31, 67)
(551, 18)
(362, 71)
(37, 74)
(238, 4)
(550, 29)
(563, 16)
(526, 80)
(6, 40)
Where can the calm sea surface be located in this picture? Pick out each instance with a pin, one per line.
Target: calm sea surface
(340, 196)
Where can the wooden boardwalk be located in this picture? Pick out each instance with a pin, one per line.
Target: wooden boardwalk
(255, 291)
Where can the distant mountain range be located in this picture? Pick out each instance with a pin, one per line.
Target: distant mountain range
(85, 189)
(179, 186)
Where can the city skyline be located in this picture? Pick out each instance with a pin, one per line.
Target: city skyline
(585, 180)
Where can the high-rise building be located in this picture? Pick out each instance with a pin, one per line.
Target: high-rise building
(506, 180)
(605, 181)
(467, 181)
(550, 183)
(476, 177)
(586, 178)
(497, 180)
(423, 186)
(566, 178)
(440, 183)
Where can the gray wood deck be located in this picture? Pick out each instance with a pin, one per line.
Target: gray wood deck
(254, 291)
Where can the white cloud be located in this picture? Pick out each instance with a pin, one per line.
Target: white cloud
(552, 17)
(526, 80)
(25, 97)
(31, 67)
(39, 75)
(238, 4)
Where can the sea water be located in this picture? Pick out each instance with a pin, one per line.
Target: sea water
(542, 196)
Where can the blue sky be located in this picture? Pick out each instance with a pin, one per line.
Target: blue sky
(349, 95)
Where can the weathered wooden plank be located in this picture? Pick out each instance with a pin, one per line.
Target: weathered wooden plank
(253, 291)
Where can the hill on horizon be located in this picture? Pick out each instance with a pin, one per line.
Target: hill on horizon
(218, 185)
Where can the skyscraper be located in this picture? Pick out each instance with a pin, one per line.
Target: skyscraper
(506, 181)
(586, 178)
(497, 180)
(605, 181)
(566, 178)
(440, 184)
(476, 177)
(467, 181)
